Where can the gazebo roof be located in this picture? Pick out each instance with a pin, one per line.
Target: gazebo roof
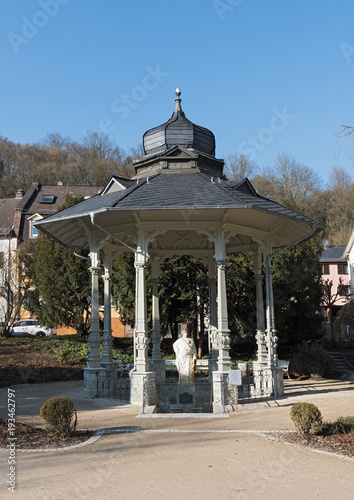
(175, 191)
(191, 191)
(187, 200)
(178, 130)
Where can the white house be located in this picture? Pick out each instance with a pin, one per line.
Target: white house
(348, 254)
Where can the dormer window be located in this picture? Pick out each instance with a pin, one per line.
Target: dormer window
(47, 198)
(33, 231)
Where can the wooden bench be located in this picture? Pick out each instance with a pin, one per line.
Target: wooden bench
(202, 364)
(170, 364)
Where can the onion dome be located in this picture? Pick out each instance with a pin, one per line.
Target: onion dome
(178, 131)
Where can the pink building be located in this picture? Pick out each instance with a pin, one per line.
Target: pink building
(335, 280)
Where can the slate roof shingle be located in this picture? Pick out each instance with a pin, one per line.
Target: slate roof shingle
(176, 190)
(7, 212)
(333, 253)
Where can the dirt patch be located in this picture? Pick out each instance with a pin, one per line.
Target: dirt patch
(29, 437)
(338, 443)
(24, 363)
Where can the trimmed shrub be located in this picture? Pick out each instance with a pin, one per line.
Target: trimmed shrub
(343, 425)
(306, 417)
(60, 416)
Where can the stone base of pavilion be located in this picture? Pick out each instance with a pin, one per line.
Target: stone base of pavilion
(152, 393)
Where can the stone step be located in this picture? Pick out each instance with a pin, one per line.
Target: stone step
(340, 362)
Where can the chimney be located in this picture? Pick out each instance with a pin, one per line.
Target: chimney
(60, 183)
(19, 194)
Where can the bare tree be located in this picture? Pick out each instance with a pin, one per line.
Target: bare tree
(11, 288)
(291, 184)
(341, 206)
(346, 134)
(239, 166)
(55, 140)
(329, 299)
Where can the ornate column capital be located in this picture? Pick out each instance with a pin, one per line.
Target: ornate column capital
(139, 265)
(95, 270)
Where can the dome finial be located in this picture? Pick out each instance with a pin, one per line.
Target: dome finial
(178, 100)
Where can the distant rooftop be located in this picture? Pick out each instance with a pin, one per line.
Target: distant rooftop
(333, 254)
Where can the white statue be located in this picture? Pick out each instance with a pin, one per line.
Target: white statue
(186, 354)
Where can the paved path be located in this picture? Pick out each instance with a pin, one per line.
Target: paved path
(189, 458)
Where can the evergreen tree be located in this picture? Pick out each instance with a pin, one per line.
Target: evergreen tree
(297, 295)
(60, 283)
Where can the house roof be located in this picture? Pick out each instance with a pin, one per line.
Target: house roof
(44, 201)
(7, 211)
(33, 199)
(333, 254)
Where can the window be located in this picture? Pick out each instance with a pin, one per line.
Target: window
(342, 268)
(47, 199)
(33, 231)
(325, 268)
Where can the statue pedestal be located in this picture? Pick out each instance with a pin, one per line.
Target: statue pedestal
(185, 396)
(143, 389)
(220, 391)
(278, 382)
(94, 382)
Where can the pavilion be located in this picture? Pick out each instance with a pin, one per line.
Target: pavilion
(179, 203)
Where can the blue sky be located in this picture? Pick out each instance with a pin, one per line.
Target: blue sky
(265, 77)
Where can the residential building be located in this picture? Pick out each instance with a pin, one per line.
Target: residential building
(335, 283)
(17, 217)
(8, 246)
(348, 254)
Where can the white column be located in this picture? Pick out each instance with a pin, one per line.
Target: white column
(142, 381)
(142, 341)
(94, 379)
(224, 361)
(272, 338)
(269, 308)
(110, 366)
(94, 338)
(107, 356)
(213, 320)
(261, 335)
